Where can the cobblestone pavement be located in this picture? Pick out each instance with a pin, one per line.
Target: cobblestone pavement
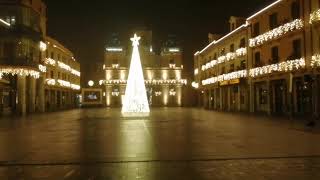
(172, 143)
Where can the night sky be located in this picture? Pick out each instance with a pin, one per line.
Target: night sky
(84, 26)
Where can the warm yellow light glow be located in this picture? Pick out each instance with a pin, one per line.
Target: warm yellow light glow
(42, 68)
(297, 24)
(42, 46)
(286, 66)
(19, 71)
(91, 83)
(314, 16)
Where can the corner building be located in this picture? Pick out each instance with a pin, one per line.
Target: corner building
(162, 71)
(62, 82)
(22, 33)
(282, 61)
(24, 65)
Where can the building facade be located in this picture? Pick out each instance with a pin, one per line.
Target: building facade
(23, 45)
(279, 73)
(62, 88)
(162, 71)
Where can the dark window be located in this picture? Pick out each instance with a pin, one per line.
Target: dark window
(232, 48)
(295, 10)
(8, 50)
(171, 61)
(52, 55)
(243, 65)
(256, 29)
(223, 70)
(257, 60)
(51, 75)
(215, 56)
(242, 43)
(296, 45)
(233, 27)
(275, 54)
(273, 20)
(223, 52)
(231, 67)
(47, 54)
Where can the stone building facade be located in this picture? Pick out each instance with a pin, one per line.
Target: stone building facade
(162, 71)
(23, 45)
(281, 62)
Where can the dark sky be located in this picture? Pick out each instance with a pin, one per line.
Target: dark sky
(83, 26)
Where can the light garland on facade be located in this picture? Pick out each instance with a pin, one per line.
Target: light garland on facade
(241, 52)
(225, 77)
(196, 71)
(286, 66)
(19, 71)
(42, 68)
(75, 87)
(64, 83)
(153, 82)
(75, 72)
(314, 16)
(195, 85)
(50, 61)
(276, 33)
(315, 61)
(64, 66)
(53, 82)
(222, 59)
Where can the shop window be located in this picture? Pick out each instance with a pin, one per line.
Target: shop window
(242, 101)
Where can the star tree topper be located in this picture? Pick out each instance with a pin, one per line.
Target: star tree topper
(135, 40)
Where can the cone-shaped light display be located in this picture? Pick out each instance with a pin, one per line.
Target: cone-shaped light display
(135, 100)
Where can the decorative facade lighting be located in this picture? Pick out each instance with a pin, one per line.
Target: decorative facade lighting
(158, 93)
(50, 61)
(195, 85)
(153, 82)
(280, 67)
(241, 52)
(172, 92)
(19, 71)
(64, 66)
(114, 49)
(75, 87)
(276, 33)
(315, 61)
(91, 83)
(226, 77)
(115, 94)
(174, 50)
(172, 66)
(51, 82)
(64, 83)
(115, 66)
(42, 46)
(5, 22)
(75, 72)
(196, 71)
(42, 68)
(222, 59)
(314, 16)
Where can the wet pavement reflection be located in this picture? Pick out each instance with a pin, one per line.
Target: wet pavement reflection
(172, 143)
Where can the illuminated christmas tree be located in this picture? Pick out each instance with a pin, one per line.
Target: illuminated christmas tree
(135, 99)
